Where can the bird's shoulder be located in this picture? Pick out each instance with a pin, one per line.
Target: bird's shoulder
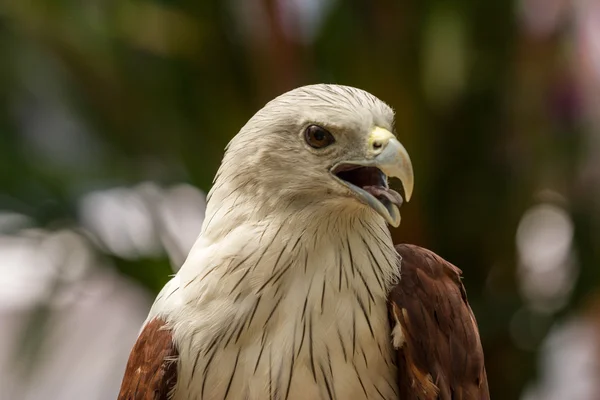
(439, 350)
(151, 371)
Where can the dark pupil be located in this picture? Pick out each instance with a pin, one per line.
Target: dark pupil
(319, 135)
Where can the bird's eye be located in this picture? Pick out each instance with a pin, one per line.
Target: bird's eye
(318, 137)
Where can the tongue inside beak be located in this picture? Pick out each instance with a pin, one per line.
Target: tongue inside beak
(370, 183)
(386, 196)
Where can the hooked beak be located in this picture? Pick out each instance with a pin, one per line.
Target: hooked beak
(368, 178)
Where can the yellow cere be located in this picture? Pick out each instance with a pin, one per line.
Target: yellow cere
(380, 134)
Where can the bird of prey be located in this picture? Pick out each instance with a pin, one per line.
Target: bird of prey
(294, 289)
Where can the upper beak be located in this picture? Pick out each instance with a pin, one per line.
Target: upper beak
(392, 158)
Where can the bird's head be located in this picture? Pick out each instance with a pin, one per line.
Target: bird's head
(319, 145)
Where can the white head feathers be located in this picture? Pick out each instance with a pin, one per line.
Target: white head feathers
(269, 162)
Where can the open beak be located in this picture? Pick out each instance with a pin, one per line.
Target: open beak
(368, 178)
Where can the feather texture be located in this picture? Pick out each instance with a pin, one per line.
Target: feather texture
(151, 371)
(284, 314)
(438, 346)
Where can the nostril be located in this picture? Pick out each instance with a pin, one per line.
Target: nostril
(377, 145)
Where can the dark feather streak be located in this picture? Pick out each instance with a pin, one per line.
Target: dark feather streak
(311, 349)
(367, 319)
(232, 373)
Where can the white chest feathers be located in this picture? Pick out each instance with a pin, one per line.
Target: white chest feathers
(264, 314)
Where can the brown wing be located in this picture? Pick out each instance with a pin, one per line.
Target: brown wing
(439, 350)
(151, 371)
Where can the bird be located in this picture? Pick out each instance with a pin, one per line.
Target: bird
(294, 288)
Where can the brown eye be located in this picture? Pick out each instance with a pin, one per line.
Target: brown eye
(318, 137)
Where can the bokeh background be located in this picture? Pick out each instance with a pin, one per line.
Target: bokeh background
(114, 115)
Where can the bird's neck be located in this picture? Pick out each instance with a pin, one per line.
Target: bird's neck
(295, 300)
(272, 247)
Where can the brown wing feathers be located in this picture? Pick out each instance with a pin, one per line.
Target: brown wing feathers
(151, 371)
(441, 356)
